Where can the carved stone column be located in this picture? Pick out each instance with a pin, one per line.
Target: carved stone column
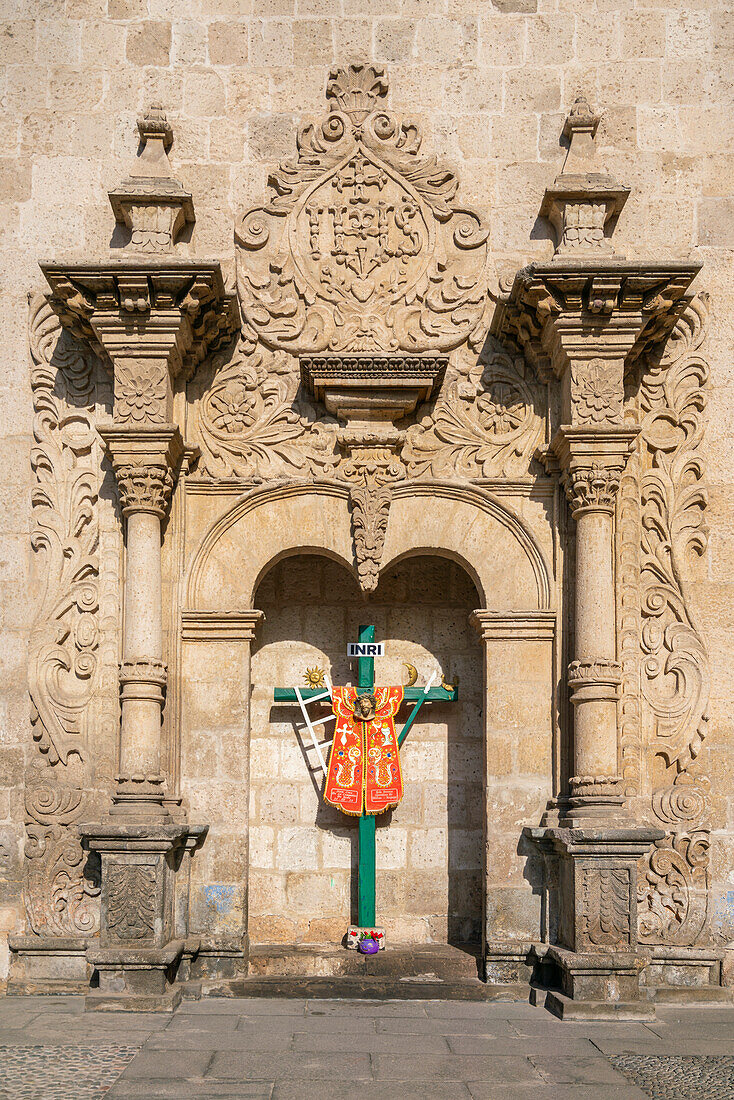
(593, 461)
(153, 318)
(583, 319)
(145, 461)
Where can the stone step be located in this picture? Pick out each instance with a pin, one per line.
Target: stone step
(429, 963)
(361, 988)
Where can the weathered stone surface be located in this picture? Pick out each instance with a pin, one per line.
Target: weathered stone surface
(647, 660)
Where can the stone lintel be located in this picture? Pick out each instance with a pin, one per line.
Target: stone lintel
(122, 301)
(220, 626)
(514, 625)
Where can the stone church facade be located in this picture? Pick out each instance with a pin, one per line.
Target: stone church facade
(276, 368)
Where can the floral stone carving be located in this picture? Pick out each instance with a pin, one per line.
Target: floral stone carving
(485, 423)
(361, 246)
(675, 672)
(64, 641)
(253, 423)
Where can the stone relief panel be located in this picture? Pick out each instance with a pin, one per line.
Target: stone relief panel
(606, 905)
(361, 246)
(668, 519)
(486, 423)
(64, 665)
(252, 419)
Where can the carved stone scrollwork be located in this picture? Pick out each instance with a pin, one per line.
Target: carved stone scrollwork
(674, 659)
(145, 489)
(253, 423)
(361, 246)
(593, 488)
(60, 889)
(486, 422)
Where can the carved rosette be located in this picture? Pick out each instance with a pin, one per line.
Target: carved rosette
(140, 394)
(253, 422)
(596, 391)
(673, 657)
(145, 489)
(487, 421)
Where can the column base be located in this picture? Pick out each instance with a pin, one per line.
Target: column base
(135, 979)
(48, 965)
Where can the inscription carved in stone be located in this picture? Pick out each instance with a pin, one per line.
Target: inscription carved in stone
(361, 246)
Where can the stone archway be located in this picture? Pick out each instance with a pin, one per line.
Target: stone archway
(430, 851)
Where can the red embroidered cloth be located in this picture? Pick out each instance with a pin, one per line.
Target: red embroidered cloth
(364, 762)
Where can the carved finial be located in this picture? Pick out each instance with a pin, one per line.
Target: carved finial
(154, 127)
(584, 197)
(151, 202)
(356, 90)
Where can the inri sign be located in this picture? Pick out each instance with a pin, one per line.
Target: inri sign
(365, 649)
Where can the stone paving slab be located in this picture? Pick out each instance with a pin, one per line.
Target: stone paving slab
(513, 1069)
(247, 1066)
(333, 1050)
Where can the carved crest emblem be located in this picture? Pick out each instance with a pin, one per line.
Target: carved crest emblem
(361, 247)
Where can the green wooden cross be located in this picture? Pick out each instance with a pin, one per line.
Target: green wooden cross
(367, 822)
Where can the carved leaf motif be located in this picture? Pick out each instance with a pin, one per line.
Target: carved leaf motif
(675, 659)
(64, 635)
(361, 246)
(251, 423)
(131, 901)
(673, 890)
(370, 514)
(484, 424)
(606, 899)
(60, 888)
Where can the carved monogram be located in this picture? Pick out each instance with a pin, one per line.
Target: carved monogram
(606, 905)
(485, 423)
(675, 672)
(131, 901)
(361, 246)
(64, 639)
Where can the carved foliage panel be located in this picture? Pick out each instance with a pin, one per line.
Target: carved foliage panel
(64, 663)
(664, 498)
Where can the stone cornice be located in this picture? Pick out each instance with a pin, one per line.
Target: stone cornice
(220, 626)
(121, 304)
(605, 306)
(514, 625)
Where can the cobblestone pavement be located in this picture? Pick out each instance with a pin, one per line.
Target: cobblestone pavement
(344, 1050)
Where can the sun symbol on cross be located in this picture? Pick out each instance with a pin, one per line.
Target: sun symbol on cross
(314, 677)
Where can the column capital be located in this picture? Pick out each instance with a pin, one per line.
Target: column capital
(592, 461)
(146, 461)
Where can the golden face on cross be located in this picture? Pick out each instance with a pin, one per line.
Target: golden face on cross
(365, 707)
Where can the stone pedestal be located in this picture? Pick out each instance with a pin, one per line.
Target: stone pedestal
(137, 956)
(592, 874)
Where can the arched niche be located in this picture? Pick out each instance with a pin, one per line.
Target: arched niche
(464, 523)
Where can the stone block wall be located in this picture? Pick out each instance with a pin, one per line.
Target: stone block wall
(430, 849)
(490, 83)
